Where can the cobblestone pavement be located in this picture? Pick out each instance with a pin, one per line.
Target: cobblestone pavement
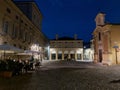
(66, 76)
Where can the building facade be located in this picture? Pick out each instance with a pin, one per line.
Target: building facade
(18, 29)
(66, 48)
(106, 41)
(88, 51)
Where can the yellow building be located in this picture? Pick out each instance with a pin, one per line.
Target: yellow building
(18, 29)
(106, 41)
(65, 48)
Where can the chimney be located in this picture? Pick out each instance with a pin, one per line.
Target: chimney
(56, 37)
(75, 36)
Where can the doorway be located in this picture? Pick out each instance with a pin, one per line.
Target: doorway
(100, 55)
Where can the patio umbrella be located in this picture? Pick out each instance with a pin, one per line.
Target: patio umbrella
(32, 52)
(23, 53)
(5, 48)
(28, 53)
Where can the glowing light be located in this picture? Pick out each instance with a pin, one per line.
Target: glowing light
(79, 51)
(52, 51)
(35, 47)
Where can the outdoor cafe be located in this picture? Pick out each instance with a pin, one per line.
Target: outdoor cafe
(16, 60)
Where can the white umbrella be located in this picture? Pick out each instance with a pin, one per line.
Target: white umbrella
(9, 49)
(6, 47)
(28, 53)
(23, 53)
(32, 52)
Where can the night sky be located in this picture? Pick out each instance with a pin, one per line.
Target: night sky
(69, 17)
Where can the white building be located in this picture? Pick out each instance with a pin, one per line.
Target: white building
(88, 51)
(65, 48)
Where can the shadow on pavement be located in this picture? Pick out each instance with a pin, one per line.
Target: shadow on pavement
(115, 81)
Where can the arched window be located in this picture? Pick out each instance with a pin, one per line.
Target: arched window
(99, 36)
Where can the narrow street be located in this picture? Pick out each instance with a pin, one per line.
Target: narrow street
(66, 75)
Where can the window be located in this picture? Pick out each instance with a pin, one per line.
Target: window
(16, 17)
(59, 56)
(53, 56)
(79, 56)
(24, 48)
(29, 38)
(34, 16)
(99, 36)
(8, 10)
(21, 21)
(5, 42)
(20, 46)
(25, 24)
(20, 33)
(6, 26)
(25, 36)
(14, 45)
(14, 31)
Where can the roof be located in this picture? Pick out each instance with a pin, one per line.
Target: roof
(66, 38)
(112, 23)
(109, 24)
(24, 0)
(29, 1)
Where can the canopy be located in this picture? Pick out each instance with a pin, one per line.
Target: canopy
(9, 48)
(32, 52)
(5, 48)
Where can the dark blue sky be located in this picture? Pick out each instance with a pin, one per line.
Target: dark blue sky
(69, 17)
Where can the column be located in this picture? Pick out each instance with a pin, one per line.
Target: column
(75, 55)
(81, 56)
(62, 55)
(69, 55)
(56, 54)
(50, 56)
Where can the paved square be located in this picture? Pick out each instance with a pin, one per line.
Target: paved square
(66, 76)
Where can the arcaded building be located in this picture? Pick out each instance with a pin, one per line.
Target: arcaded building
(66, 48)
(20, 25)
(106, 41)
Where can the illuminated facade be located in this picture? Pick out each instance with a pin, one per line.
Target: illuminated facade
(106, 41)
(19, 29)
(88, 51)
(66, 48)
